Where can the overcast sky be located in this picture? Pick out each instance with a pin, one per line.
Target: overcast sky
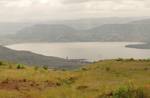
(26, 10)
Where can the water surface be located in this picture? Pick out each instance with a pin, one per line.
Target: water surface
(85, 50)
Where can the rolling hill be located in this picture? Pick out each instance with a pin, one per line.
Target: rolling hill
(29, 58)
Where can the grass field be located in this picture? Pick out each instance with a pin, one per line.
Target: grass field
(103, 79)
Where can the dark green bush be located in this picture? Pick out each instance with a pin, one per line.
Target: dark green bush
(1, 63)
(45, 67)
(84, 69)
(20, 66)
(119, 59)
(131, 59)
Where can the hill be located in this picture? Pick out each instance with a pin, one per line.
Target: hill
(89, 23)
(144, 21)
(12, 27)
(121, 32)
(132, 31)
(104, 79)
(47, 32)
(29, 58)
(140, 46)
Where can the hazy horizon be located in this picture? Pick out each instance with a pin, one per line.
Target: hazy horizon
(47, 10)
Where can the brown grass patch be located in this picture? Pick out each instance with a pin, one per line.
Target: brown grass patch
(24, 84)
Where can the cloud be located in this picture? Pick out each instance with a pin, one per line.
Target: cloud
(84, 1)
(23, 3)
(68, 9)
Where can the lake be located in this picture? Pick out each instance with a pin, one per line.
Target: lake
(91, 51)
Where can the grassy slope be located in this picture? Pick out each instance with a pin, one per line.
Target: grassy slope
(92, 81)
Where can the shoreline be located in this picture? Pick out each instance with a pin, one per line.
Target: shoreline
(139, 46)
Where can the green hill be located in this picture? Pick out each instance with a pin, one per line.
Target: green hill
(104, 79)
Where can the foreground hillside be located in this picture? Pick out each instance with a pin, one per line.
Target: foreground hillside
(104, 79)
(29, 58)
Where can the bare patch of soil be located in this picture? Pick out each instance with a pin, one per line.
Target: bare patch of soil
(26, 84)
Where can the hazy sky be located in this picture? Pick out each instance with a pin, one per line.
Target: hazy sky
(26, 10)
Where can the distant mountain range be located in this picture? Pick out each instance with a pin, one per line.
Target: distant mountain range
(82, 30)
(80, 24)
(135, 31)
(29, 58)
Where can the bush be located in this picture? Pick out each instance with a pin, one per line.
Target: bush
(107, 68)
(84, 69)
(127, 92)
(119, 59)
(19, 66)
(1, 63)
(131, 59)
(45, 67)
(36, 68)
(122, 92)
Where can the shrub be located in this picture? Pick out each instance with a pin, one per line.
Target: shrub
(122, 92)
(36, 68)
(119, 59)
(84, 69)
(131, 59)
(107, 68)
(1, 63)
(45, 67)
(19, 66)
(127, 92)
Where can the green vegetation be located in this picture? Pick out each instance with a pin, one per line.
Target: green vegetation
(20, 66)
(104, 79)
(45, 67)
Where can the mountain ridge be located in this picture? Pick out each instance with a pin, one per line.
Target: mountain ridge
(107, 32)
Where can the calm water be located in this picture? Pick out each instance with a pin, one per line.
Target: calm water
(84, 50)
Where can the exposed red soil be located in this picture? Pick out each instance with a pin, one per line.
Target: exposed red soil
(26, 84)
